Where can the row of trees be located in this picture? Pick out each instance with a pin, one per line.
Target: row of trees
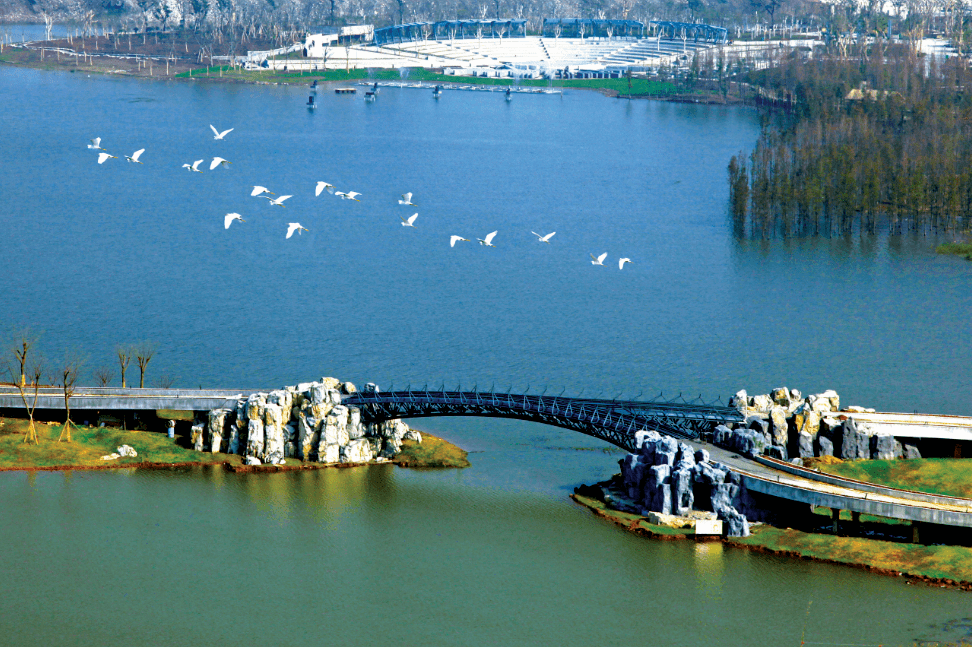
(880, 137)
(29, 372)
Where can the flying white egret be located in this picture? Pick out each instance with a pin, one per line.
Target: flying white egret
(543, 239)
(323, 185)
(96, 144)
(257, 190)
(220, 135)
(488, 241)
(410, 222)
(134, 156)
(193, 167)
(230, 217)
(350, 195)
(599, 260)
(622, 261)
(455, 239)
(217, 161)
(406, 199)
(294, 226)
(103, 156)
(279, 202)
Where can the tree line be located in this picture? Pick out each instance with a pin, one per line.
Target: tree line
(854, 141)
(29, 371)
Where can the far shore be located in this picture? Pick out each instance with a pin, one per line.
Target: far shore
(155, 61)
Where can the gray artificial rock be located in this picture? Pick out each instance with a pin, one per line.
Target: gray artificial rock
(863, 445)
(848, 439)
(910, 451)
(252, 460)
(370, 387)
(776, 451)
(734, 522)
(882, 447)
(722, 495)
(898, 450)
(781, 397)
(757, 423)
(683, 496)
(664, 458)
(702, 456)
(805, 445)
(722, 436)
(633, 473)
(348, 388)
(658, 492)
(824, 446)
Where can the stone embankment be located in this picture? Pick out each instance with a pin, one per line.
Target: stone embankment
(307, 422)
(785, 425)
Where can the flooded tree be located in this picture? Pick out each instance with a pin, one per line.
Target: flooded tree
(67, 378)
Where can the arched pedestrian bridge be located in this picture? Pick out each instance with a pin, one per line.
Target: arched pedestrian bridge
(614, 421)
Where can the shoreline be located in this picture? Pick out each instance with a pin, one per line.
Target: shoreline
(639, 525)
(135, 64)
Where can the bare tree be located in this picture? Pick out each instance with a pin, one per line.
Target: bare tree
(103, 375)
(144, 353)
(26, 373)
(166, 381)
(124, 359)
(68, 377)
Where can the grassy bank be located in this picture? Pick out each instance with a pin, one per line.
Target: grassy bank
(636, 87)
(948, 564)
(946, 476)
(431, 452)
(91, 443)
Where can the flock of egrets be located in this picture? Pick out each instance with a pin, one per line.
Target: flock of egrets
(264, 192)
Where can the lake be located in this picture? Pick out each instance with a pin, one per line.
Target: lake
(96, 256)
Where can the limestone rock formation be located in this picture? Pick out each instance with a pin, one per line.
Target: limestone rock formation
(306, 421)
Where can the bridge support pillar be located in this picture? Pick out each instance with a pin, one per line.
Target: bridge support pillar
(915, 538)
(856, 521)
(835, 517)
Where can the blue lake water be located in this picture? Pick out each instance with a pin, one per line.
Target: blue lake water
(96, 256)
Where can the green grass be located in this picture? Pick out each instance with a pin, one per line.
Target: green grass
(431, 452)
(959, 249)
(638, 87)
(946, 476)
(941, 562)
(89, 445)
